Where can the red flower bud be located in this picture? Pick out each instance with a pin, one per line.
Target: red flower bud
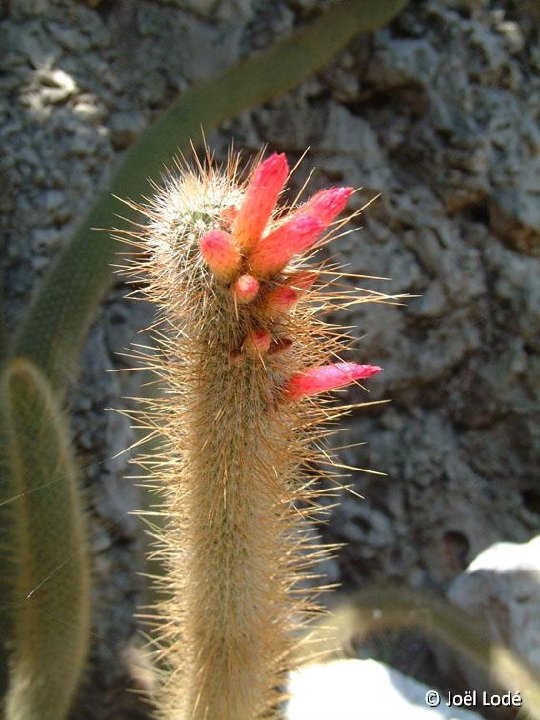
(327, 377)
(325, 205)
(220, 253)
(245, 289)
(282, 299)
(258, 341)
(274, 251)
(265, 184)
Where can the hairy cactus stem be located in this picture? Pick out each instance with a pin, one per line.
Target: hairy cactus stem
(50, 583)
(243, 360)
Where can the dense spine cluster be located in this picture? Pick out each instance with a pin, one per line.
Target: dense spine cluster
(243, 361)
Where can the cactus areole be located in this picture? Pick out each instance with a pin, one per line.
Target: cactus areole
(245, 366)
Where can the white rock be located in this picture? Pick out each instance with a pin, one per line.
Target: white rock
(362, 690)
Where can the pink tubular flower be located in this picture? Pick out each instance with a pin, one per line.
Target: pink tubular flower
(265, 184)
(274, 251)
(325, 205)
(327, 377)
(221, 254)
(245, 289)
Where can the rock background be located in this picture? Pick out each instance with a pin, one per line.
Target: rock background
(439, 113)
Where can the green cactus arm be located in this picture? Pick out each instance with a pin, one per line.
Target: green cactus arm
(5, 632)
(6, 567)
(58, 319)
(50, 584)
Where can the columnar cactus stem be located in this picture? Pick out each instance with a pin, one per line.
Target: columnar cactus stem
(49, 594)
(242, 358)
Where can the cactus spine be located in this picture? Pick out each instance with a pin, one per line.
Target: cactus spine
(242, 359)
(49, 598)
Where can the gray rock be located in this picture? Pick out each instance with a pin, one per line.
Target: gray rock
(515, 217)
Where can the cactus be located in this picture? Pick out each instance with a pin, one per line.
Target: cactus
(6, 571)
(49, 597)
(245, 366)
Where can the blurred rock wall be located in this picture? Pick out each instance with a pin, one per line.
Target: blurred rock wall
(437, 113)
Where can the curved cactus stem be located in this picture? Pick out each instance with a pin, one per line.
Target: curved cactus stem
(49, 597)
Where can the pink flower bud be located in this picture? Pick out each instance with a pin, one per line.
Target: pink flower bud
(274, 251)
(281, 299)
(327, 377)
(220, 253)
(265, 184)
(245, 289)
(258, 341)
(325, 205)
